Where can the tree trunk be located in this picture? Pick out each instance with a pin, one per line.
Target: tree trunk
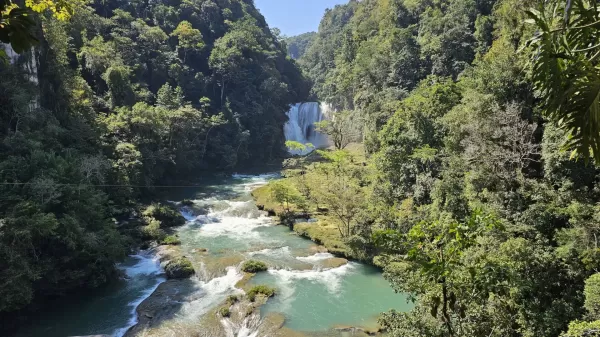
(447, 321)
(205, 143)
(222, 92)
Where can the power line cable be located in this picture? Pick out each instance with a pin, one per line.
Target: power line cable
(101, 185)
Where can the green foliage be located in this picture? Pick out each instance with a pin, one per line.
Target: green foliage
(253, 266)
(338, 187)
(592, 296)
(564, 70)
(297, 146)
(343, 129)
(434, 252)
(285, 194)
(224, 312)
(297, 45)
(167, 215)
(231, 300)
(189, 38)
(55, 235)
(260, 290)
(17, 22)
(153, 232)
(179, 268)
(171, 240)
(453, 132)
(583, 329)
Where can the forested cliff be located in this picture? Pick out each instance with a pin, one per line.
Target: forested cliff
(123, 96)
(468, 198)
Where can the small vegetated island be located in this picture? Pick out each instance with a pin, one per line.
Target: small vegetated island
(452, 157)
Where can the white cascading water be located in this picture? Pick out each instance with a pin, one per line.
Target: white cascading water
(301, 125)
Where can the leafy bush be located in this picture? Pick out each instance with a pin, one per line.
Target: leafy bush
(179, 268)
(171, 240)
(224, 312)
(583, 329)
(231, 300)
(592, 296)
(152, 231)
(167, 215)
(260, 289)
(253, 266)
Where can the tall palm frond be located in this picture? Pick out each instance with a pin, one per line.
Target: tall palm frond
(566, 73)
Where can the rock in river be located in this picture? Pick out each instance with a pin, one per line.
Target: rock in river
(179, 268)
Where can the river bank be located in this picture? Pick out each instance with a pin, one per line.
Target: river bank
(311, 220)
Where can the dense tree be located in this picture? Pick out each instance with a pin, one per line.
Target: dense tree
(342, 129)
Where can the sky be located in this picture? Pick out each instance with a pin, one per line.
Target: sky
(294, 17)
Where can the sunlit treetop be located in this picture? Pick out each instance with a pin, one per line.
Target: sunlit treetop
(17, 24)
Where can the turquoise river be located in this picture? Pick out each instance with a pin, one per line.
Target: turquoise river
(224, 228)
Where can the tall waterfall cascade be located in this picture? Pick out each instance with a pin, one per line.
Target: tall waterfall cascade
(301, 125)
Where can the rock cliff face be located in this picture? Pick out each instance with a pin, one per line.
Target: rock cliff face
(29, 62)
(10, 53)
(162, 305)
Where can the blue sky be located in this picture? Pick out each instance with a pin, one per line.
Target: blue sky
(295, 17)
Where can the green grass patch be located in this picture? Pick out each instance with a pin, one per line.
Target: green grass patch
(326, 233)
(262, 195)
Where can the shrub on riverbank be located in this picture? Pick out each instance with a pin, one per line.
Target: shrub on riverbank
(262, 290)
(167, 215)
(329, 188)
(224, 312)
(152, 231)
(179, 268)
(171, 240)
(231, 300)
(253, 266)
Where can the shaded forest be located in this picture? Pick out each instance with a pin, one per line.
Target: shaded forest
(119, 98)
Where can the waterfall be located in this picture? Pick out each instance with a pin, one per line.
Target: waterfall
(301, 125)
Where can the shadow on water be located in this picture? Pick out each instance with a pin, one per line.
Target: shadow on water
(165, 304)
(371, 270)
